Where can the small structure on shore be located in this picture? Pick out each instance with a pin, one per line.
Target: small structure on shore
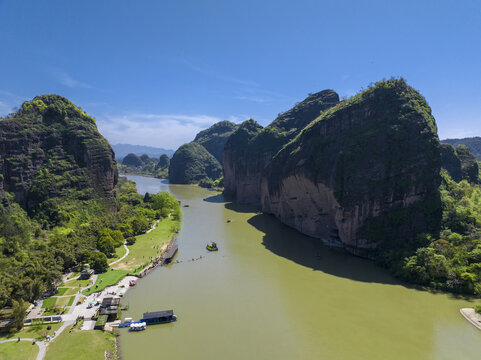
(110, 307)
(170, 253)
(86, 272)
(159, 317)
(212, 246)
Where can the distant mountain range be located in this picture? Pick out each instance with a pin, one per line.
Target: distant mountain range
(121, 150)
(472, 143)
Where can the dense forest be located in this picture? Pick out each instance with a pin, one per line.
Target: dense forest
(145, 165)
(34, 252)
(61, 202)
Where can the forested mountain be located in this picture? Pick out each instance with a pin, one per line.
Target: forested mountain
(122, 150)
(60, 204)
(145, 165)
(367, 174)
(472, 143)
(191, 163)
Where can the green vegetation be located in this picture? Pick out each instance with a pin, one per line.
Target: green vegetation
(35, 331)
(60, 291)
(191, 163)
(215, 137)
(23, 350)
(111, 277)
(41, 255)
(477, 308)
(451, 260)
(74, 283)
(79, 345)
(144, 165)
(473, 144)
(148, 245)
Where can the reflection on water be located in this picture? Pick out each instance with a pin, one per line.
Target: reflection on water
(272, 293)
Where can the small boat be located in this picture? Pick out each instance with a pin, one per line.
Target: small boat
(137, 326)
(212, 246)
(132, 282)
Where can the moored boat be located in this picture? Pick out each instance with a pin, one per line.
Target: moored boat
(212, 246)
(137, 326)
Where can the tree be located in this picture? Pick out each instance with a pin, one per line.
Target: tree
(98, 261)
(19, 307)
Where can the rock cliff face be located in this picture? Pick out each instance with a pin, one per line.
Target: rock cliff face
(363, 175)
(250, 149)
(460, 163)
(192, 163)
(214, 138)
(50, 146)
(472, 143)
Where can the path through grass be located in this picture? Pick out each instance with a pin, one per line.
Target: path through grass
(111, 277)
(148, 245)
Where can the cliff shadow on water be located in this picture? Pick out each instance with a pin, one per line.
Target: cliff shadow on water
(312, 253)
(241, 208)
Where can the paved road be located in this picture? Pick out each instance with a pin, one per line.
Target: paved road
(123, 257)
(41, 345)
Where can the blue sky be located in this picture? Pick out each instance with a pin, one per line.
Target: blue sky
(157, 72)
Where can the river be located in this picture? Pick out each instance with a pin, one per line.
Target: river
(272, 293)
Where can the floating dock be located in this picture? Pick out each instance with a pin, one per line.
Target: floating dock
(170, 253)
(164, 259)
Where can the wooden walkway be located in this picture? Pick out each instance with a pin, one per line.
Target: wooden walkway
(168, 253)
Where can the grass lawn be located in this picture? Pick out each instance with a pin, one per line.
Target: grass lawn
(60, 291)
(81, 345)
(111, 277)
(49, 303)
(71, 291)
(76, 283)
(23, 350)
(34, 331)
(119, 252)
(147, 245)
(59, 302)
(52, 312)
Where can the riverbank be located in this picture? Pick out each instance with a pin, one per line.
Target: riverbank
(472, 316)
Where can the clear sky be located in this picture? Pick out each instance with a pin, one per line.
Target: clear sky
(157, 72)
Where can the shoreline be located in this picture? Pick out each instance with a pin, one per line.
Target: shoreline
(472, 316)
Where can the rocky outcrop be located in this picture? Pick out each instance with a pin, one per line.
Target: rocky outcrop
(49, 147)
(460, 163)
(192, 163)
(364, 174)
(164, 162)
(472, 143)
(250, 149)
(214, 138)
(200, 159)
(132, 160)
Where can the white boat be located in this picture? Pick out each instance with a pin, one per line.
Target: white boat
(137, 326)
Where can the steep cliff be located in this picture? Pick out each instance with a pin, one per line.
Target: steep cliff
(460, 163)
(214, 138)
(192, 163)
(201, 158)
(364, 174)
(472, 143)
(251, 148)
(49, 147)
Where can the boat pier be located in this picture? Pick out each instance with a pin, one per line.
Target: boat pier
(164, 259)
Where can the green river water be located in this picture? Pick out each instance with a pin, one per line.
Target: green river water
(272, 293)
